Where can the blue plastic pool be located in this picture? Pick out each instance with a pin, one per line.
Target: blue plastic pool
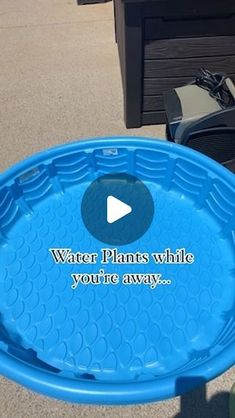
(116, 344)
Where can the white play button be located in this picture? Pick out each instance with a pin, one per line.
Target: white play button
(116, 209)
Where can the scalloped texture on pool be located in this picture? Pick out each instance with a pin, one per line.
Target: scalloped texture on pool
(117, 333)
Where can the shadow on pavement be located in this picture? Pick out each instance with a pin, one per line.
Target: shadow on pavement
(194, 404)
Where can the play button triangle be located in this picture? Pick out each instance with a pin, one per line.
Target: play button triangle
(116, 209)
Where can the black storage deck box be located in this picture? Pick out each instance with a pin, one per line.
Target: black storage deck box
(163, 43)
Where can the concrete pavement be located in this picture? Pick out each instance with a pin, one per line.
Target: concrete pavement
(60, 80)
